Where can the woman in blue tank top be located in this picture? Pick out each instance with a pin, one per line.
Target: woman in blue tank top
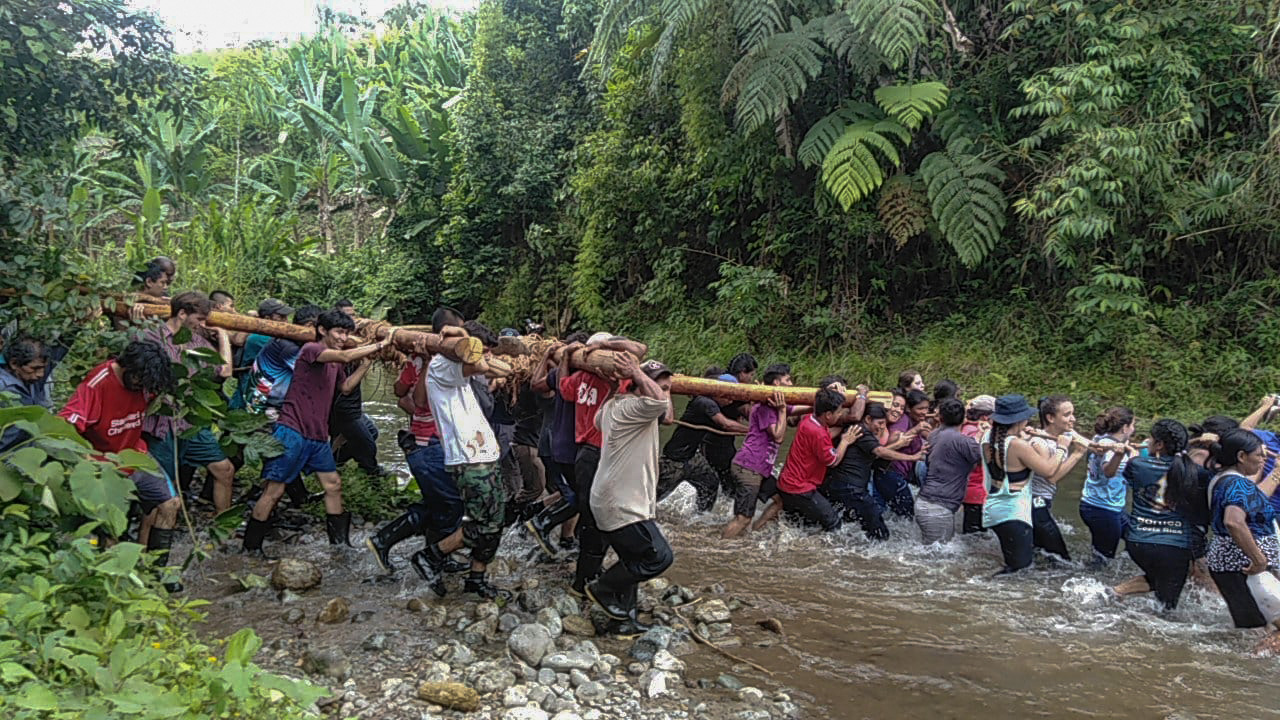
(1008, 461)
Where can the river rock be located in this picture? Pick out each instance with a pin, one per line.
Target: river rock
(547, 676)
(591, 690)
(566, 715)
(577, 625)
(550, 619)
(658, 585)
(719, 630)
(514, 697)
(531, 643)
(492, 680)
(533, 599)
(577, 678)
(712, 611)
(751, 695)
(455, 654)
(487, 609)
(788, 709)
(637, 668)
(326, 662)
(753, 715)
(647, 645)
(434, 616)
(508, 622)
(653, 683)
(375, 642)
(436, 671)
(566, 606)
(335, 611)
(293, 616)
(452, 695)
(293, 574)
(566, 661)
(666, 662)
(525, 713)
(363, 616)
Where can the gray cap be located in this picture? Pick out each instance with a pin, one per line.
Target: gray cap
(272, 306)
(655, 369)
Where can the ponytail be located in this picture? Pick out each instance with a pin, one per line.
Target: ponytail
(996, 463)
(1112, 421)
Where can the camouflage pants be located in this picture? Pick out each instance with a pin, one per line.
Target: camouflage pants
(484, 499)
(697, 472)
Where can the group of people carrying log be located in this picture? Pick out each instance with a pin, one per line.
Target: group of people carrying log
(571, 452)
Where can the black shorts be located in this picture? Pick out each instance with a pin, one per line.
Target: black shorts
(812, 508)
(1165, 568)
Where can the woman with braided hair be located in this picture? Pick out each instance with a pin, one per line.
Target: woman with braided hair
(1008, 462)
(1168, 499)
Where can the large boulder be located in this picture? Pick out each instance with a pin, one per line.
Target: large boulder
(291, 574)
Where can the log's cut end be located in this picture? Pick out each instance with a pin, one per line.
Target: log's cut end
(469, 350)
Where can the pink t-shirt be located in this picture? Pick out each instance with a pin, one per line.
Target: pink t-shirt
(975, 493)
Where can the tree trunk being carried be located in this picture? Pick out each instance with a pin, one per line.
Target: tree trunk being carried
(603, 363)
(463, 349)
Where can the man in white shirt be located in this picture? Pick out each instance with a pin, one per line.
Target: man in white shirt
(624, 496)
(471, 457)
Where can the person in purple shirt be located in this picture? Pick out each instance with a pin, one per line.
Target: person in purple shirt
(753, 464)
(907, 418)
(564, 450)
(303, 428)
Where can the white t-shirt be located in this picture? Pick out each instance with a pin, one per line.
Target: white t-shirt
(625, 489)
(464, 433)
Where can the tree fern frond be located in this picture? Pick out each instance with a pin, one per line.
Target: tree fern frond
(966, 199)
(957, 120)
(765, 81)
(911, 104)
(903, 209)
(824, 133)
(851, 171)
(616, 20)
(850, 44)
(677, 16)
(756, 21)
(896, 27)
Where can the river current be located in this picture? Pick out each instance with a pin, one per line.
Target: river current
(897, 629)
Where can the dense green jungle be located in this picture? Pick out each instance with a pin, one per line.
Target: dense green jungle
(1022, 195)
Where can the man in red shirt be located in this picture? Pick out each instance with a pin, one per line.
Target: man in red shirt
(588, 392)
(807, 462)
(107, 409)
(303, 428)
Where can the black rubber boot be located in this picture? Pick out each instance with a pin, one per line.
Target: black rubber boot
(381, 542)
(339, 528)
(453, 567)
(630, 628)
(541, 525)
(477, 584)
(160, 540)
(297, 493)
(254, 533)
(430, 562)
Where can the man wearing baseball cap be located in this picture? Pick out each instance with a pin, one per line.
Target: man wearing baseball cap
(624, 496)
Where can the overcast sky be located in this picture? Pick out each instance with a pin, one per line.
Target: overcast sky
(200, 24)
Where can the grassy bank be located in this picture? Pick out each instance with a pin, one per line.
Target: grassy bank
(1148, 370)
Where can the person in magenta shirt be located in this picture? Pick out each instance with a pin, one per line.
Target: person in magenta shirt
(807, 462)
(753, 464)
(976, 422)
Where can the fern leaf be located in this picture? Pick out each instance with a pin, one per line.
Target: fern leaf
(850, 44)
(896, 27)
(617, 17)
(851, 171)
(824, 133)
(911, 104)
(902, 208)
(767, 80)
(678, 17)
(756, 21)
(957, 120)
(966, 200)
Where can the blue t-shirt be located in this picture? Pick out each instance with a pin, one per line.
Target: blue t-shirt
(1272, 441)
(1151, 520)
(272, 374)
(1100, 491)
(1238, 490)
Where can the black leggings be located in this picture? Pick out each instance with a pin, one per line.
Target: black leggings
(972, 518)
(1165, 568)
(1015, 544)
(591, 542)
(1234, 587)
(1045, 532)
(812, 509)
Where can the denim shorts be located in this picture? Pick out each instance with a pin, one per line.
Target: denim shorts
(301, 456)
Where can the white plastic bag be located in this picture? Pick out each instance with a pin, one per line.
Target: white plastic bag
(1265, 588)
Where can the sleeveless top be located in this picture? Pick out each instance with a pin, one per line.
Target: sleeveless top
(1003, 504)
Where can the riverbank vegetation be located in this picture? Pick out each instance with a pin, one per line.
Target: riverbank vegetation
(1022, 195)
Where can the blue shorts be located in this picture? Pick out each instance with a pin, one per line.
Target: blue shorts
(199, 450)
(301, 456)
(153, 489)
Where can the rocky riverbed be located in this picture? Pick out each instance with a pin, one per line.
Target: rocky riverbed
(387, 648)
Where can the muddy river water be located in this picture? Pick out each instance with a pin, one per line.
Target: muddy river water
(896, 629)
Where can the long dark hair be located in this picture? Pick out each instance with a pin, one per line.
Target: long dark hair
(1050, 406)
(995, 463)
(1182, 478)
(1115, 419)
(1226, 452)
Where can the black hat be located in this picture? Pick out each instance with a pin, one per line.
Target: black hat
(1011, 409)
(876, 411)
(655, 369)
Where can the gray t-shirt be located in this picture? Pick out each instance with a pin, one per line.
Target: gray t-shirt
(1040, 485)
(625, 489)
(952, 456)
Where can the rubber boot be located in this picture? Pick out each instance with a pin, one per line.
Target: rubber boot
(339, 528)
(476, 583)
(430, 562)
(510, 513)
(254, 533)
(541, 525)
(381, 542)
(619, 605)
(160, 540)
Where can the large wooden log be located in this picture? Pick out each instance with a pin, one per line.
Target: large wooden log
(461, 349)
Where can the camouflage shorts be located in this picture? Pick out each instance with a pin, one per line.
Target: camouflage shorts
(483, 496)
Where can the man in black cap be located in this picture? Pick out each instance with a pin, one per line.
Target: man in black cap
(624, 496)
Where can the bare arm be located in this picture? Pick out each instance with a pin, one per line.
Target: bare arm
(420, 389)
(731, 425)
(354, 354)
(479, 367)
(224, 350)
(1113, 465)
(538, 381)
(1233, 517)
(1045, 465)
(1258, 415)
(405, 403)
(778, 431)
(354, 379)
(884, 453)
(634, 347)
